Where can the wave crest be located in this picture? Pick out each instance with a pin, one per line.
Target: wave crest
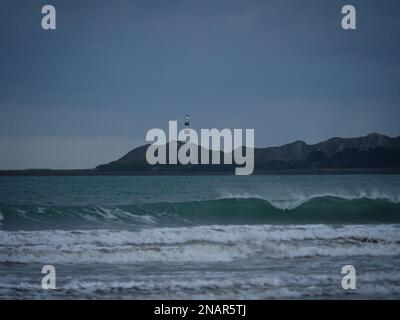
(321, 209)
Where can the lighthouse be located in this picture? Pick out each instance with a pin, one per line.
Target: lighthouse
(187, 123)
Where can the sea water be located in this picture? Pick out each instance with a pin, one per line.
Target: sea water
(200, 237)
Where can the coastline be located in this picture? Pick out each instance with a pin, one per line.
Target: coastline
(93, 172)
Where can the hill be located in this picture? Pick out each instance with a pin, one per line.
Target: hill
(374, 151)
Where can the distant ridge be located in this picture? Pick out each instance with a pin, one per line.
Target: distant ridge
(374, 151)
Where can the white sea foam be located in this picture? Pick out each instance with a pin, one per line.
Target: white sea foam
(279, 284)
(198, 244)
(23, 214)
(274, 285)
(112, 214)
(41, 210)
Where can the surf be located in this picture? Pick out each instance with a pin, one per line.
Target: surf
(200, 244)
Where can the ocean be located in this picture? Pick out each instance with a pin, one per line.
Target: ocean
(200, 237)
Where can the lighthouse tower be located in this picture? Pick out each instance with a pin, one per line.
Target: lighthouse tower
(187, 123)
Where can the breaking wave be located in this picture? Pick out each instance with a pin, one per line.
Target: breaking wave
(324, 209)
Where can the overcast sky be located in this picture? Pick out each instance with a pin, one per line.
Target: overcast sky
(87, 92)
